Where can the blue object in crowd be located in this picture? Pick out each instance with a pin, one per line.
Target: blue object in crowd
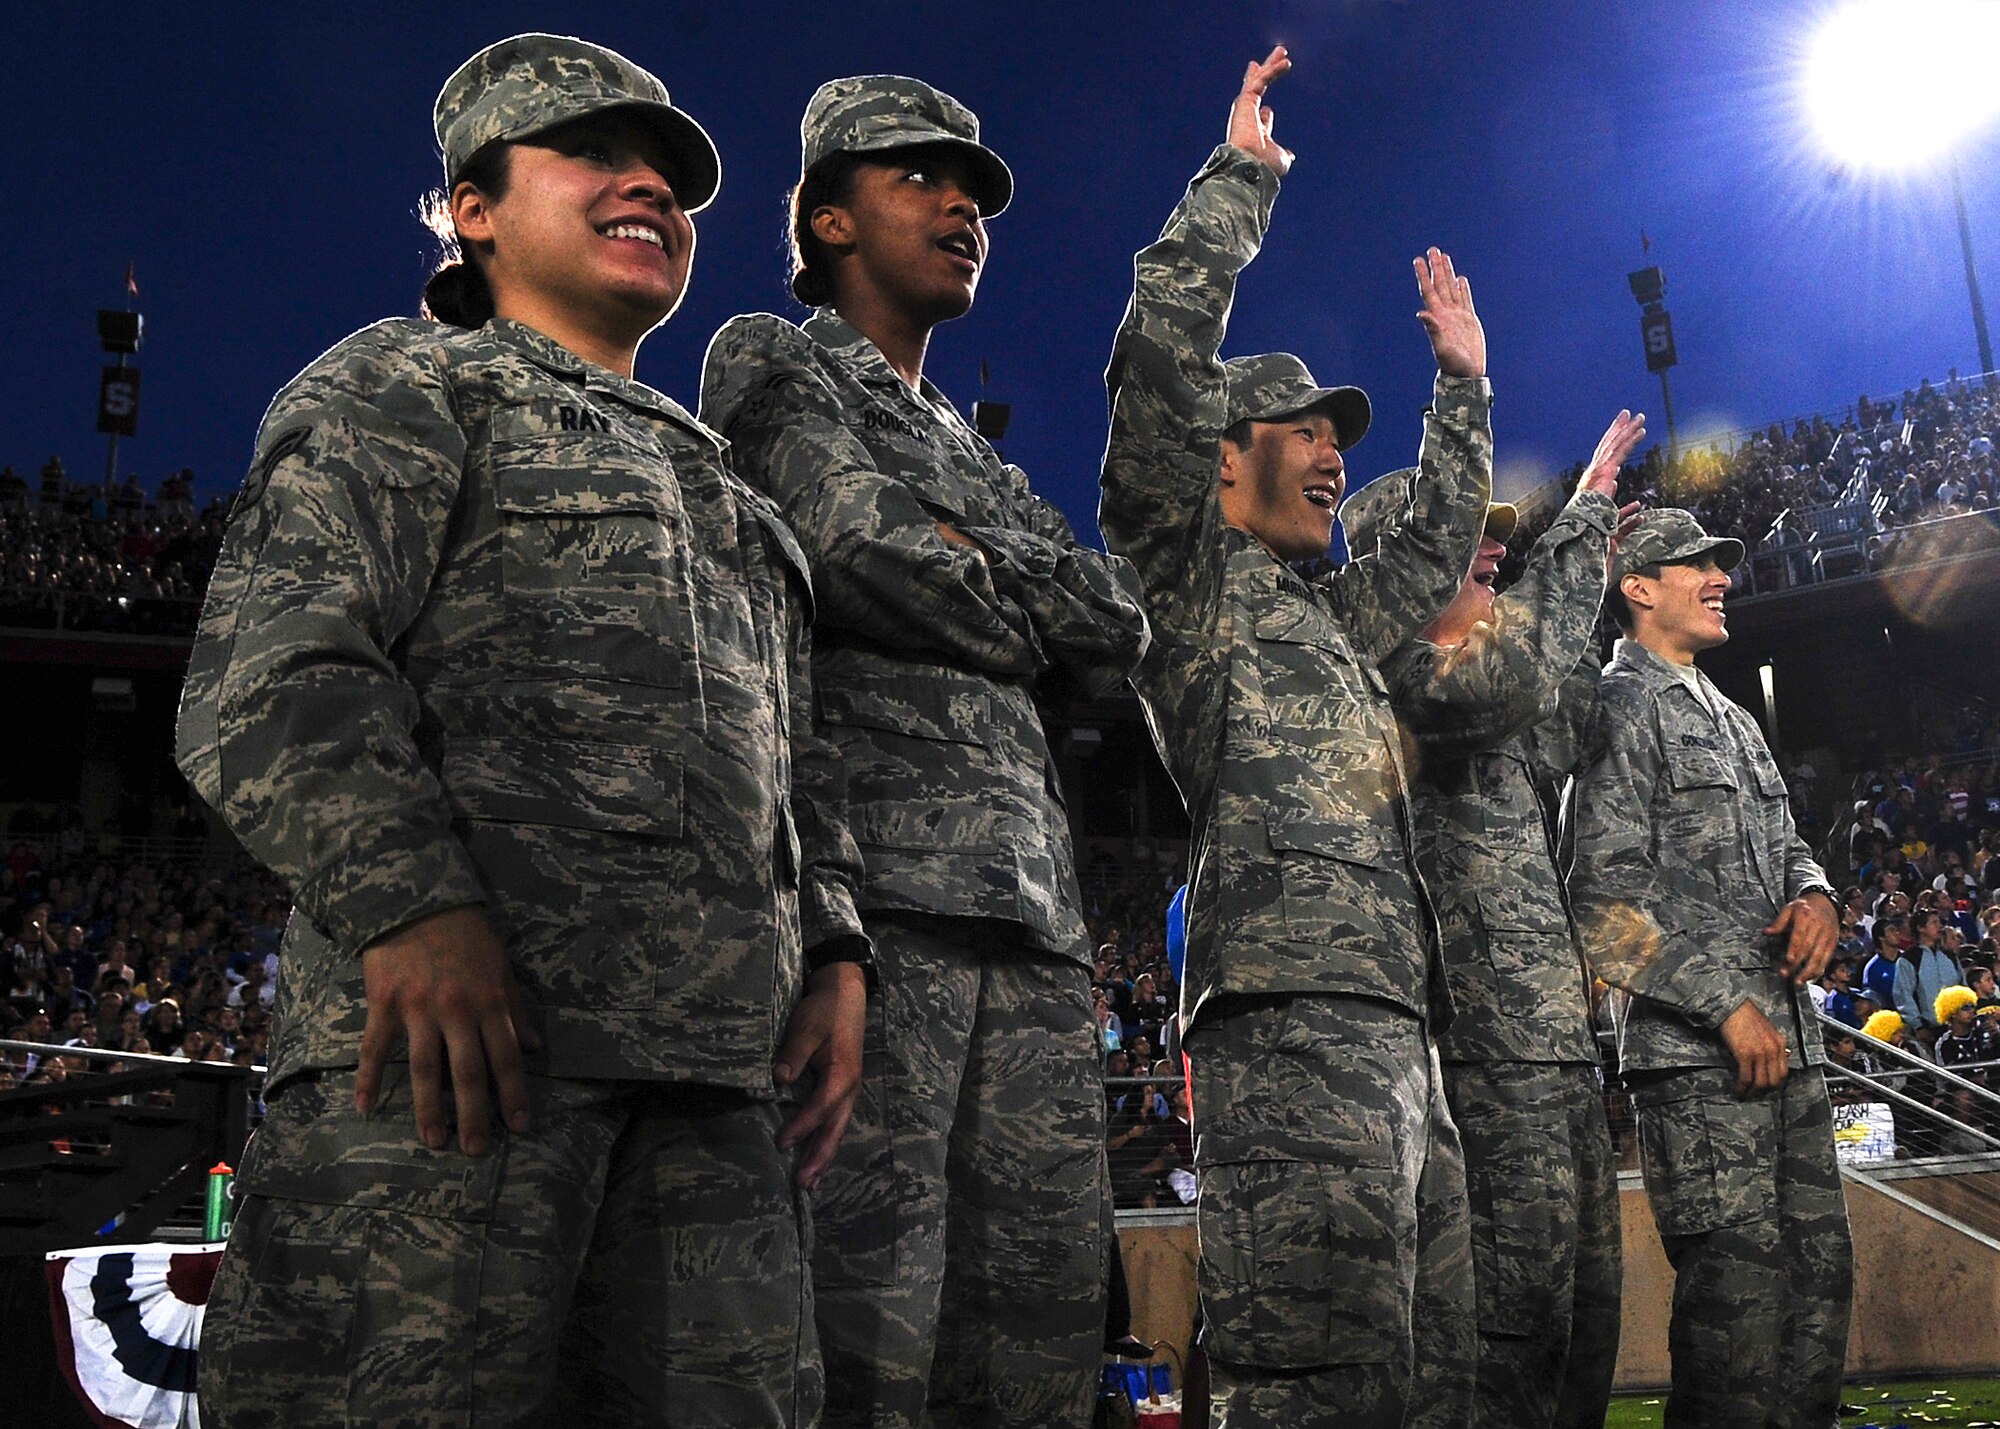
(1177, 933)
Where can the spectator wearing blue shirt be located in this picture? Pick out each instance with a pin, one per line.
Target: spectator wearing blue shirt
(1878, 978)
(1836, 981)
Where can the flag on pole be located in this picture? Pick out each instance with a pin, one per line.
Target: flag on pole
(984, 376)
(131, 283)
(1645, 243)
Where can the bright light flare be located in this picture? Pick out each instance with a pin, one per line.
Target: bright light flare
(1893, 84)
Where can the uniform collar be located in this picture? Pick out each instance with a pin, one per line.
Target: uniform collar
(545, 352)
(847, 342)
(1632, 654)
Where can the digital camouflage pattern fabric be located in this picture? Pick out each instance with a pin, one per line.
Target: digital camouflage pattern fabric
(529, 83)
(1266, 703)
(1685, 852)
(1498, 731)
(1748, 1200)
(967, 1034)
(1336, 1273)
(1277, 384)
(1547, 1240)
(926, 654)
(927, 658)
(491, 625)
(370, 1281)
(871, 113)
(1262, 688)
(1671, 534)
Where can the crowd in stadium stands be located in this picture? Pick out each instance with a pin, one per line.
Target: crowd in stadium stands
(1134, 997)
(1905, 462)
(79, 557)
(1920, 939)
(134, 957)
(91, 559)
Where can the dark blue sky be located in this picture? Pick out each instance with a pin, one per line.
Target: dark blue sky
(262, 173)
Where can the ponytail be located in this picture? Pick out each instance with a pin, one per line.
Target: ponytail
(457, 291)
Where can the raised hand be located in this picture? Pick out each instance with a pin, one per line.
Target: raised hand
(1619, 441)
(1250, 121)
(1457, 338)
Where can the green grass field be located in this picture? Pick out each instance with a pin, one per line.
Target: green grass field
(1917, 1403)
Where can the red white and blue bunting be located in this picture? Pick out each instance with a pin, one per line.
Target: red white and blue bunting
(126, 1321)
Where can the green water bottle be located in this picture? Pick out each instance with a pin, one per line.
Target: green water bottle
(221, 1190)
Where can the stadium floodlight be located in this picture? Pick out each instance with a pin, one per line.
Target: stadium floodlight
(1898, 84)
(1895, 84)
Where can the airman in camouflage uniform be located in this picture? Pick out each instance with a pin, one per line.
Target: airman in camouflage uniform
(1498, 732)
(1334, 1247)
(1695, 896)
(508, 675)
(946, 591)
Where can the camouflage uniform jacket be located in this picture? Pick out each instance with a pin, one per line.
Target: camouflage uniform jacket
(492, 625)
(926, 656)
(1498, 731)
(1261, 688)
(1685, 851)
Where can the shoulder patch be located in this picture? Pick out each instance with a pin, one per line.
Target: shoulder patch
(288, 444)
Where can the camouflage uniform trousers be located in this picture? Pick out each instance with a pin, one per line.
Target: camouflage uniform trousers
(638, 1256)
(962, 1230)
(1547, 1263)
(1749, 1205)
(1336, 1263)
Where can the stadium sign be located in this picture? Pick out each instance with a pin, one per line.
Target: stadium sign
(1658, 330)
(118, 401)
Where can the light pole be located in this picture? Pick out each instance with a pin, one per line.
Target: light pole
(1971, 272)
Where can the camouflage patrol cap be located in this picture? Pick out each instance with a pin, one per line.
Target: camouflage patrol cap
(521, 86)
(868, 113)
(1277, 384)
(1362, 514)
(1365, 510)
(1670, 535)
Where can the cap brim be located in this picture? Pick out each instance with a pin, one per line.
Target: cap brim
(992, 180)
(697, 166)
(1727, 550)
(1348, 407)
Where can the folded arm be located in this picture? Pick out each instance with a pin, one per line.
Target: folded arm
(882, 567)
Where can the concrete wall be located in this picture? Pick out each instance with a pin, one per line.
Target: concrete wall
(1903, 1262)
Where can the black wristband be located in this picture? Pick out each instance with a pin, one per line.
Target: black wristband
(845, 948)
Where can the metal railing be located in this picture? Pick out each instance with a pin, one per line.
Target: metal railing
(1141, 1148)
(105, 1146)
(1936, 1131)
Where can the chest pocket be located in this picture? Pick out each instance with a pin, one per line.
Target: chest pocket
(593, 570)
(1316, 691)
(1691, 769)
(1769, 783)
(1702, 821)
